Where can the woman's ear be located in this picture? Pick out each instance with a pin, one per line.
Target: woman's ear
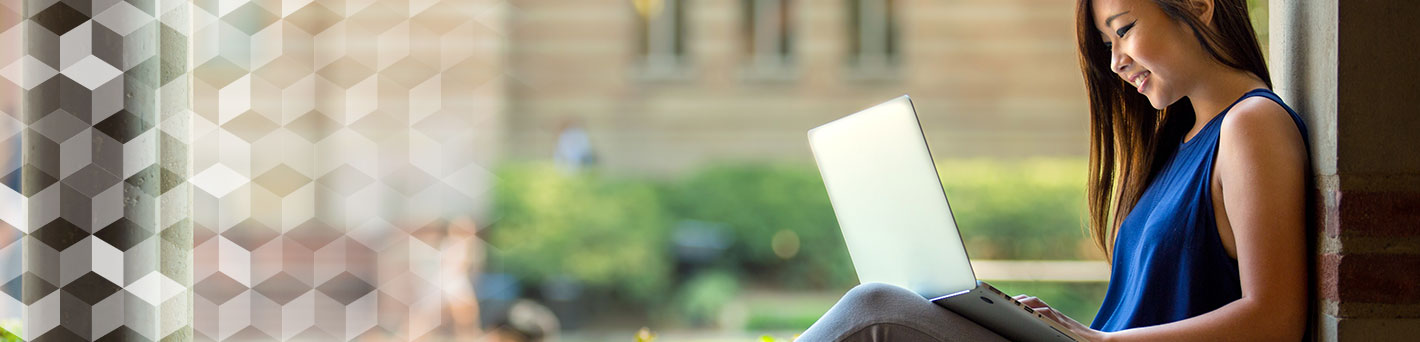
(1202, 9)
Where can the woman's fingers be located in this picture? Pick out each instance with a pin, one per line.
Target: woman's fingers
(1052, 314)
(1039, 306)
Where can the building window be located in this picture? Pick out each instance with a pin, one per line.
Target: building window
(661, 44)
(873, 45)
(768, 37)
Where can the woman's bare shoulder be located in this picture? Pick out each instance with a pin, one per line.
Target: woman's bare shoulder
(1258, 135)
(1259, 122)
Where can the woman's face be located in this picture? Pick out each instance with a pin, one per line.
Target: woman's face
(1151, 51)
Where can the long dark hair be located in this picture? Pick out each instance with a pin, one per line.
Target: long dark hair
(1129, 139)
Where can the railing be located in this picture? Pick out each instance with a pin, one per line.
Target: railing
(1041, 270)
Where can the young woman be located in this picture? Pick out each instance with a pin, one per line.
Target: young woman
(1197, 183)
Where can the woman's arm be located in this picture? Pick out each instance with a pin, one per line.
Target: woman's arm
(1262, 166)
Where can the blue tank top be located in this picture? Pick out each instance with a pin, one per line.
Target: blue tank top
(1169, 262)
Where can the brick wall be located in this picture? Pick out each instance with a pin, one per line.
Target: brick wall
(989, 77)
(1350, 67)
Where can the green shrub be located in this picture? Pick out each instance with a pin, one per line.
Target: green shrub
(613, 233)
(606, 233)
(756, 202)
(704, 294)
(1029, 209)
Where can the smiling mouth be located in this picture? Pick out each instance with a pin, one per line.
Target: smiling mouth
(1140, 80)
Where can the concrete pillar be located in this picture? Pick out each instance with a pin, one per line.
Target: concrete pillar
(1350, 68)
(105, 124)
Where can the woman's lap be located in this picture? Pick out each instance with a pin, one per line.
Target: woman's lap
(880, 312)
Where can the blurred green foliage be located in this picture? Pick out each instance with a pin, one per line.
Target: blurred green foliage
(703, 295)
(793, 319)
(10, 330)
(1257, 10)
(1030, 209)
(758, 201)
(613, 233)
(607, 233)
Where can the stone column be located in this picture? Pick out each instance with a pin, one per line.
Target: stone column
(105, 124)
(1350, 67)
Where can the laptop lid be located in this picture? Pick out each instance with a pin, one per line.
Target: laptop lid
(889, 200)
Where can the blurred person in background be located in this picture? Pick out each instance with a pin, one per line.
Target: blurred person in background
(574, 147)
(457, 256)
(461, 257)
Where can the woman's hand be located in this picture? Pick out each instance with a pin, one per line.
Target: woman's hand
(1074, 326)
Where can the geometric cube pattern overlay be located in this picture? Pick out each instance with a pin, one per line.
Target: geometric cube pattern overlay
(12, 202)
(328, 137)
(105, 203)
(238, 170)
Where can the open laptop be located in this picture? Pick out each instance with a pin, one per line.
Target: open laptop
(898, 225)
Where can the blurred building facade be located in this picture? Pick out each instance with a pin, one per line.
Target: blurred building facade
(664, 85)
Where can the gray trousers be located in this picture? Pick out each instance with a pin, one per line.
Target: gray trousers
(880, 312)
